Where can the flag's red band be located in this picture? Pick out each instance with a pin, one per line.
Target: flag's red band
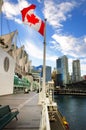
(42, 27)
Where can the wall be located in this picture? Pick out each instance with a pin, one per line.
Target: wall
(7, 66)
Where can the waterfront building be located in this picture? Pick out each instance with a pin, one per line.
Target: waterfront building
(48, 72)
(76, 76)
(70, 78)
(7, 67)
(62, 69)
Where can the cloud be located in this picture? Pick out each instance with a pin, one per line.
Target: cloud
(37, 52)
(57, 13)
(33, 50)
(17, 20)
(70, 45)
(12, 10)
(51, 58)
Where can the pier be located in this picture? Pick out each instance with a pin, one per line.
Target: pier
(70, 92)
(30, 113)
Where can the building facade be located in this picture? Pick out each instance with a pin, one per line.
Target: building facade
(48, 72)
(7, 67)
(62, 69)
(76, 76)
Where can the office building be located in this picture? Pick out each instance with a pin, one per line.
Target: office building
(76, 76)
(62, 69)
(48, 72)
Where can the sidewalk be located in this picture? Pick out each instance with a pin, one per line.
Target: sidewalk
(29, 111)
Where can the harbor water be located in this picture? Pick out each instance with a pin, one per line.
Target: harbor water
(74, 109)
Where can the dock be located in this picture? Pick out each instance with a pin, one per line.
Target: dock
(30, 113)
(70, 92)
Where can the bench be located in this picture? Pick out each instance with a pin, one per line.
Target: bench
(6, 115)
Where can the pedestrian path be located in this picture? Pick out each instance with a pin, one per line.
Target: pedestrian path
(29, 111)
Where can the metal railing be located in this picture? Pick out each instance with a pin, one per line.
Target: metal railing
(45, 124)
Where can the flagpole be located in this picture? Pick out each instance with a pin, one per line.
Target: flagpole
(1, 3)
(44, 64)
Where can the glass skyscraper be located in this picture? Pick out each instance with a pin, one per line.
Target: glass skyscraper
(48, 72)
(76, 76)
(62, 68)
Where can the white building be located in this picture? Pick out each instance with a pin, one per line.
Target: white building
(7, 67)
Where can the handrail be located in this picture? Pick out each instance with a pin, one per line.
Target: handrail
(45, 124)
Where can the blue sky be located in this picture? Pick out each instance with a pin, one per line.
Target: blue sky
(65, 35)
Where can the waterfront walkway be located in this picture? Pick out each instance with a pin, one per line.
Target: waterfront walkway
(29, 111)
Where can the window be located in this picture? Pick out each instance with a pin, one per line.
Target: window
(6, 64)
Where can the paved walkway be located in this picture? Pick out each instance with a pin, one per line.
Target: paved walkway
(29, 111)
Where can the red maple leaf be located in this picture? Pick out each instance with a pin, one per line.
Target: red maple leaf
(32, 19)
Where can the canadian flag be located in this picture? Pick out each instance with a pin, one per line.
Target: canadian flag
(28, 17)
